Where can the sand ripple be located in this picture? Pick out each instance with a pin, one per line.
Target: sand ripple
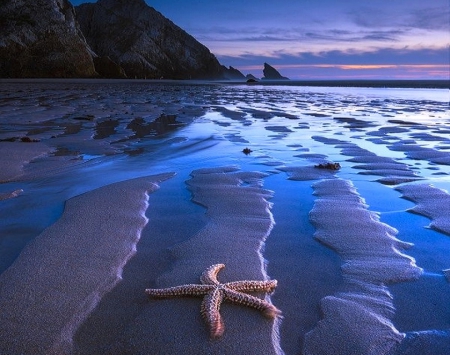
(239, 222)
(357, 320)
(431, 202)
(57, 280)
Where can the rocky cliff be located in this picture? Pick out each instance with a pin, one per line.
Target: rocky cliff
(40, 38)
(111, 38)
(145, 43)
(270, 73)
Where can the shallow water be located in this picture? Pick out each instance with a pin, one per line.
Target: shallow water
(105, 132)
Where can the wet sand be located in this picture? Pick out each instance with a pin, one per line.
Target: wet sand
(56, 282)
(371, 260)
(121, 187)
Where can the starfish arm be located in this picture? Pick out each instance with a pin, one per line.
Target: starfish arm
(252, 286)
(177, 291)
(215, 293)
(268, 309)
(210, 312)
(209, 276)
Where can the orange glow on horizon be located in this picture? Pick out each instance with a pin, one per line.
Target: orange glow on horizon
(359, 71)
(353, 66)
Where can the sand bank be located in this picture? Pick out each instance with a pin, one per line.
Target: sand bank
(15, 155)
(239, 220)
(392, 171)
(304, 173)
(358, 319)
(414, 151)
(431, 202)
(60, 277)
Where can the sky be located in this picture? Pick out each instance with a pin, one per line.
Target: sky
(321, 39)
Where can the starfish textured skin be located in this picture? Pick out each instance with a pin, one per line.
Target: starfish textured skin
(215, 293)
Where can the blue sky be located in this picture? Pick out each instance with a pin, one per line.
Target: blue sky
(321, 39)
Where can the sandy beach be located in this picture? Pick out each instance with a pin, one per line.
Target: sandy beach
(109, 188)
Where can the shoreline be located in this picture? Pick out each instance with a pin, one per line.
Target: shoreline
(359, 83)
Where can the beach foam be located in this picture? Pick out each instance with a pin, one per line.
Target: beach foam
(60, 277)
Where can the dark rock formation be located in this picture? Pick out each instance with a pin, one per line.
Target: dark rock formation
(247, 151)
(40, 38)
(251, 77)
(270, 73)
(232, 73)
(145, 43)
(106, 68)
(127, 38)
(328, 166)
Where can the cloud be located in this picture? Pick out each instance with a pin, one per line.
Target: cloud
(356, 36)
(355, 71)
(255, 34)
(438, 57)
(371, 17)
(437, 18)
(439, 67)
(383, 36)
(426, 18)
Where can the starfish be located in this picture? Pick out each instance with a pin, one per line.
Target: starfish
(215, 293)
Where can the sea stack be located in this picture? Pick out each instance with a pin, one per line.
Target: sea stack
(41, 38)
(251, 77)
(270, 73)
(232, 73)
